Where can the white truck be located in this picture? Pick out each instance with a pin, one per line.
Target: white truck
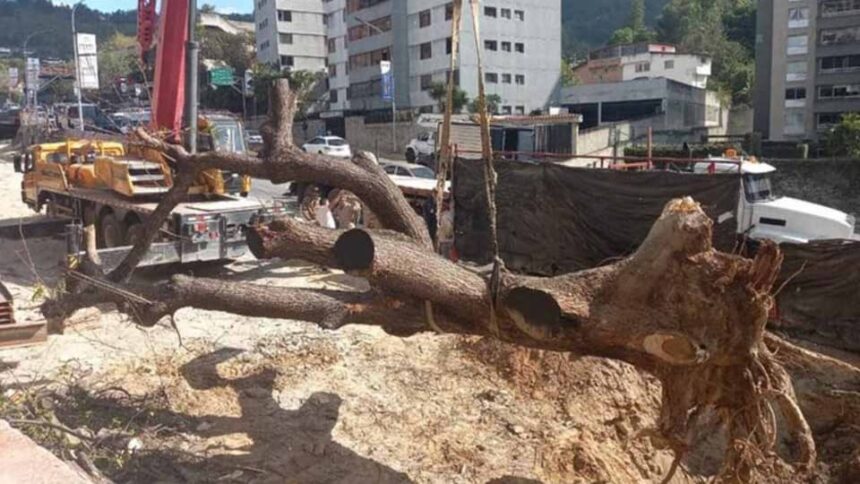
(421, 147)
(764, 215)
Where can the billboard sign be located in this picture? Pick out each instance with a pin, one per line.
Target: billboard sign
(88, 63)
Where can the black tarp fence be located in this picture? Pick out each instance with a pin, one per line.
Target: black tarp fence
(820, 299)
(554, 219)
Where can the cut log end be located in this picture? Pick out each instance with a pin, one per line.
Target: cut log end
(534, 312)
(354, 250)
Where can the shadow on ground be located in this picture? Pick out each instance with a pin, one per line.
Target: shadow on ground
(283, 445)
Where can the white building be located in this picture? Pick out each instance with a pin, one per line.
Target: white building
(521, 48)
(644, 61)
(291, 33)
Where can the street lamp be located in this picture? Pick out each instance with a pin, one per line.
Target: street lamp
(77, 68)
(394, 94)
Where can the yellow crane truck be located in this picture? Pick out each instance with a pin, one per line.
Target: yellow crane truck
(100, 183)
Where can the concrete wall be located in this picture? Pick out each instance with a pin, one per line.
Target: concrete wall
(376, 138)
(834, 183)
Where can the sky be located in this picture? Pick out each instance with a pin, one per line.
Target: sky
(223, 6)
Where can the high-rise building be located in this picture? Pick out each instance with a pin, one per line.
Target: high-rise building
(807, 66)
(520, 45)
(291, 33)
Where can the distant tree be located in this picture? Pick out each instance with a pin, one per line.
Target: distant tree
(494, 101)
(567, 76)
(635, 30)
(118, 57)
(207, 8)
(439, 93)
(843, 140)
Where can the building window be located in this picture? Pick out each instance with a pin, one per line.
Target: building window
(449, 45)
(506, 78)
(643, 67)
(520, 110)
(285, 16)
(367, 59)
(332, 46)
(264, 45)
(825, 121)
(426, 50)
(332, 70)
(491, 78)
(795, 71)
(261, 4)
(491, 45)
(847, 35)
(505, 13)
(794, 123)
(359, 32)
(287, 61)
(264, 24)
(426, 82)
(506, 46)
(424, 18)
(798, 18)
(449, 11)
(839, 91)
(835, 8)
(795, 93)
(520, 47)
(506, 110)
(520, 79)
(795, 97)
(842, 63)
(797, 44)
(285, 38)
(332, 96)
(669, 64)
(520, 15)
(490, 11)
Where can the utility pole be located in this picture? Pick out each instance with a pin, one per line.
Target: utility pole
(77, 68)
(191, 77)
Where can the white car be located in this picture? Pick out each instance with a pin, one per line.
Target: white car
(408, 170)
(421, 147)
(328, 145)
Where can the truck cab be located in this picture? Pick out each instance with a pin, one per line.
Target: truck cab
(421, 147)
(762, 214)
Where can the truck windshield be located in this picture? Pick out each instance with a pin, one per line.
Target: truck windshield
(757, 188)
(227, 137)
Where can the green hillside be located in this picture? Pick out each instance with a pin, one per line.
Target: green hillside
(590, 23)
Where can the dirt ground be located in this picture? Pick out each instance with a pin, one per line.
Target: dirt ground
(234, 399)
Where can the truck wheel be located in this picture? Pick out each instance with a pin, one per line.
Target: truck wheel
(133, 233)
(410, 155)
(111, 231)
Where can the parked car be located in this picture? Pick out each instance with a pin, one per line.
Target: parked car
(329, 145)
(410, 170)
(422, 147)
(254, 139)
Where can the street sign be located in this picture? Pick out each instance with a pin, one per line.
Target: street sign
(221, 76)
(32, 72)
(248, 85)
(387, 80)
(88, 63)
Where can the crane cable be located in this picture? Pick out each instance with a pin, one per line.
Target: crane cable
(490, 176)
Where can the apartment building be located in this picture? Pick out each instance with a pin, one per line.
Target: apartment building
(807, 66)
(291, 34)
(521, 49)
(620, 63)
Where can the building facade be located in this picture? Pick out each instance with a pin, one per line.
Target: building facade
(291, 33)
(807, 66)
(521, 49)
(619, 63)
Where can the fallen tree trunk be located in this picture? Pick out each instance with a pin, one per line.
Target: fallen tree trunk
(678, 308)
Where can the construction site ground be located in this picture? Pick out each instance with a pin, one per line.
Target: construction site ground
(216, 397)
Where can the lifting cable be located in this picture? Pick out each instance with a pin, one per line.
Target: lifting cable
(490, 176)
(444, 161)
